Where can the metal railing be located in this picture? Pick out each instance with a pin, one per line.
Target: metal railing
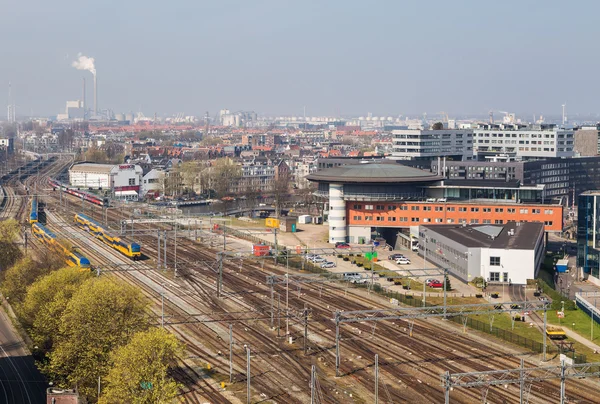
(583, 300)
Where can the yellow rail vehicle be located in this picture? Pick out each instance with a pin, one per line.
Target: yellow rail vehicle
(131, 250)
(73, 259)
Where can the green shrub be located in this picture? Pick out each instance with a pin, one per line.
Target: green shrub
(556, 297)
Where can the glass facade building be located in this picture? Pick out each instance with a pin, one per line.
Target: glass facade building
(588, 232)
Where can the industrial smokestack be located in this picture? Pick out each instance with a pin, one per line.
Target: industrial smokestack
(83, 97)
(95, 95)
(87, 63)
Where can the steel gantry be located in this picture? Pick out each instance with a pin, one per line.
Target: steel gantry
(412, 313)
(521, 376)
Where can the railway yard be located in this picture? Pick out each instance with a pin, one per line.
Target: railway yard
(289, 337)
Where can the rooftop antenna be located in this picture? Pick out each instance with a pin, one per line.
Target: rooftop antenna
(564, 116)
(305, 118)
(491, 113)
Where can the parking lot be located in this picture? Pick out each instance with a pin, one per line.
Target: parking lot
(416, 266)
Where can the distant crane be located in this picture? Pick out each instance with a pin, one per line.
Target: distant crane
(444, 116)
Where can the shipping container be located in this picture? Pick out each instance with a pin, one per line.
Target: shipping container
(562, 265)
(305, 219)
(272, 222)
(260, 250)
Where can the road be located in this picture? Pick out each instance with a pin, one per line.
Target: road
(20, 380)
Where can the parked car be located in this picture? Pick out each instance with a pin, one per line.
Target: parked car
(309, 257)
(436, 284)
(352, 276)
(396, 256)
(328, 264)
(342, 245)
(318, 260)
(428, 281)
(402, 261)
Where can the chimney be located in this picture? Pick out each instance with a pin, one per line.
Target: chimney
(83, 97)
(95, 96)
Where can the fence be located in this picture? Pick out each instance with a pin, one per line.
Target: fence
(417, 301)
(584, 302)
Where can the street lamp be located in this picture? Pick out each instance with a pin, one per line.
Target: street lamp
(424, 265)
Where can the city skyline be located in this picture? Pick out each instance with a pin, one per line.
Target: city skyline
(339, 58)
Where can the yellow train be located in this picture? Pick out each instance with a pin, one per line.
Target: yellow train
(33, 214)
(131, 250)
(74, 259)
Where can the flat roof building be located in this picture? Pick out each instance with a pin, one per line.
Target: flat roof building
(508, 253)
(523, 141)
(120, 179)
(432, 143)
(370, 199)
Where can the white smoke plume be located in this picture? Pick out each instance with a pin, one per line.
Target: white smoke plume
(84, 63)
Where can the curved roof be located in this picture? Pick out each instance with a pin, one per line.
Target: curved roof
(373, 173)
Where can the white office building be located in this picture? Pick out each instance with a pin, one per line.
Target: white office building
(523, 141)
(508, 253)
(123, 180)
(418, 143)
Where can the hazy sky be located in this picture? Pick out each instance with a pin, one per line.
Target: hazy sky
(276, 56)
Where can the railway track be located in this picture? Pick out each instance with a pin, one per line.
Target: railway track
(411, 366)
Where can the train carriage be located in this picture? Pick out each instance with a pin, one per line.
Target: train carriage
(74, 259)
(33, 214)
(131, 250)
(97, 200)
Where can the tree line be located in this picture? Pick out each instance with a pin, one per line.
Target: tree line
(84, 328)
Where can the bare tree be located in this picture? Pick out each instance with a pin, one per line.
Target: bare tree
(280, 188)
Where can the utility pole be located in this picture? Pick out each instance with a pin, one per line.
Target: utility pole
(272, 314)
(278, 314)
(220, 276)
(337, 343)
(424, 265)
(376, 379)
(175, 272)
(248, 375)
(162, 306)
(165, 250)
(372, 271)
(521, 382)
(563, 367)
(158, 259)
(230, 353)
(545, 335)
(287, 305)
(445, 289)
(313, 383)
(305, 329)
(591, 326)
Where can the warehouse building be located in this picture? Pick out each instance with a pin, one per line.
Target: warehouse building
(121, 180)
(510, 253)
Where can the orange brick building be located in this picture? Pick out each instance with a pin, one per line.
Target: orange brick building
(386, 199)
(406, 214)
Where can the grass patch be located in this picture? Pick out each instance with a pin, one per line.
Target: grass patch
(523, 329)
(583, 327)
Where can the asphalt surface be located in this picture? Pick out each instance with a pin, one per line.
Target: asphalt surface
(20, 380)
